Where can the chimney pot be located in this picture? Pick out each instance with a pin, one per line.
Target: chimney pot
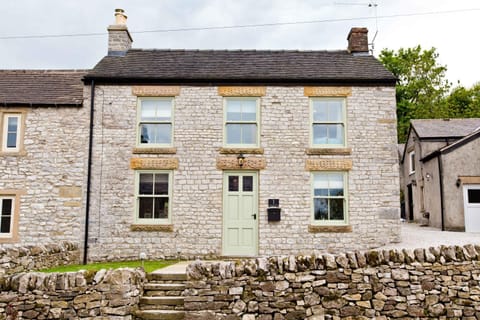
(120, 17)
(358, 40)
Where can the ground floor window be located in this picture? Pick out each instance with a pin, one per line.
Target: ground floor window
(329, 197)
(6, 216)
(153, 196)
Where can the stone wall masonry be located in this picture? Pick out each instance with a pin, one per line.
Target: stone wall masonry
(16, 259)
(435, 283)
(112, 294)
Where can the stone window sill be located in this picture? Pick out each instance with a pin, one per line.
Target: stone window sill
(154, 150)
(329, 151)
(329, 229)
(152, 227)
(241, 150)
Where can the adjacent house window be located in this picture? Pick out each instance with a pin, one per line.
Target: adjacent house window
(155, 122)
(6, 216)
(12, 126)
(153, 194)
(411, 161)
(330, 197)
(241, 122)
(328, 122)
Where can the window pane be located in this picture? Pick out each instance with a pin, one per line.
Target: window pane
(148, 110)
(335, 134)
(320, 134)
(11, 140)
(12, 124)
(146, 183)
(336, 184)
(5, 224)
(320, 111)
(249, 133)
(336, 209)
(156, 110)
(320, 209)
(6, 207)
(335, 111)
(161, 208)
(233, 183)
(234, 134)
(234, 110)
(249, 110)
(161, 183)
(247, 183)
(156, 133)
(164, 110)
(145, 208)
(473, 196)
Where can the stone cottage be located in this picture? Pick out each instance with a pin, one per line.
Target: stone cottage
(441, 173)
(240, 153)
(43, 137)
(202, 153)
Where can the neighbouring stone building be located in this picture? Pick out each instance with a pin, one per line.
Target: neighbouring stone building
(223, 153)
(441, 173)
(44, 131)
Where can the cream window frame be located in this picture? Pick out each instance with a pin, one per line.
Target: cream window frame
(139, 144)
(256, 122)
(411, 162)
(342, 122)
(345, 198)
(19, 132)
(153, 221)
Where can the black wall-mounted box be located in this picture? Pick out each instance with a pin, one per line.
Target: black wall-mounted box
(274, 214)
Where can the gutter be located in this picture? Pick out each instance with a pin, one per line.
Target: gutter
(89, 171)
(440, 174)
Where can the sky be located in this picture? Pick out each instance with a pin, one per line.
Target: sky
(400, 24)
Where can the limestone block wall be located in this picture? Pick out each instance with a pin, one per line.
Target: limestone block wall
(16, 259)
(434, 283)
(47, 176)
(196, 205)
(112, 294)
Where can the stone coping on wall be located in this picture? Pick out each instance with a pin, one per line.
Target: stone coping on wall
(351, 260)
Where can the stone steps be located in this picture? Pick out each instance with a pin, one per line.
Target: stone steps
(163, 297)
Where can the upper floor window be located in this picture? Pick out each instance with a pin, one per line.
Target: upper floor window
(241, 122)
(330, 197)
(12, 126)
(155, 122)
(411, 162)
(153, 194)
(328, 122)
(6, 216)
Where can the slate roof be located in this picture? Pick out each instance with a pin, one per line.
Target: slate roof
(41, 87)
(445, 128)
(242, 66)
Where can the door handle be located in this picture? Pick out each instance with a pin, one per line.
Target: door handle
(254, 216)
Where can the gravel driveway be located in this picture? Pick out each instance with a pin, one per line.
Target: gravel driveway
(414, 236)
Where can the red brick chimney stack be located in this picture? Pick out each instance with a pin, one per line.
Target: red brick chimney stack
(358, 40)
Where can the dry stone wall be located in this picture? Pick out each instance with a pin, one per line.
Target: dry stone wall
(112, 294)
(429, 283)
(16, 259)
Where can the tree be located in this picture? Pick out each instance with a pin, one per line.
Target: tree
(422, 84)
(463, 102)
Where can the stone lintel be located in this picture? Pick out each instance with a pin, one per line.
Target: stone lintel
(250, 163)
(386, 121)
(241, 150)
(241, 91)
(70, 192)
(470, 180)
(329, 151)
(154, 150)
(329, 229)
(154, 163)
(326, 91)
(328, 164)
(152, 227)
(156, 91)
(72, 204)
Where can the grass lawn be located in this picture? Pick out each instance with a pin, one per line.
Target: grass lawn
(149, 266)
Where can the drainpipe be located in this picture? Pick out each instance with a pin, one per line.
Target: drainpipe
(89, 171)
(440, 175)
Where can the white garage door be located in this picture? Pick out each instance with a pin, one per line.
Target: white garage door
(471, 199)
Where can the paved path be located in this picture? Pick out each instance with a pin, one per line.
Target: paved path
(413, 236)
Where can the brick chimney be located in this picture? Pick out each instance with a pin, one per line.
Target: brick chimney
(119, 39)
(358, 41)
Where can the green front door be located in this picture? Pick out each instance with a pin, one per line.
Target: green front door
(240, 213)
